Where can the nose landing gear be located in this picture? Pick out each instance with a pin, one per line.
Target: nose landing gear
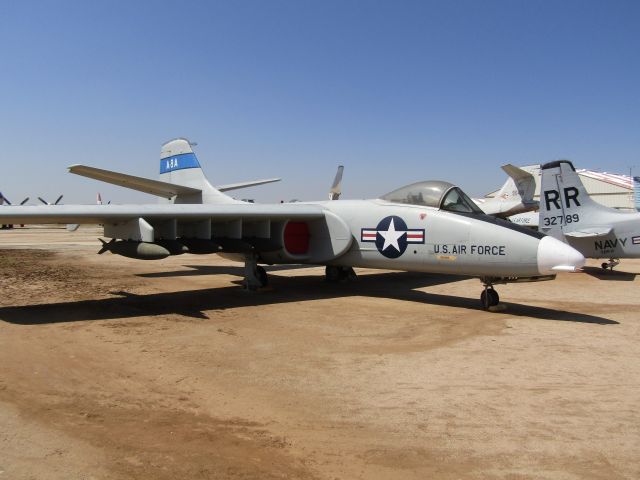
(489, 297)
(613, 262)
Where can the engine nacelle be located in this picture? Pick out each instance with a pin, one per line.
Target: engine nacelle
(313, 241)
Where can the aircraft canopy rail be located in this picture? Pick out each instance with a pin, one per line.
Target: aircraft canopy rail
(436, 194)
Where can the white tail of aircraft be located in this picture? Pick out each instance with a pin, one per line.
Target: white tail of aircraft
(179, 166)
(515, 196)
(336, 187)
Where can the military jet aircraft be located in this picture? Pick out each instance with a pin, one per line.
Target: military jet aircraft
(428, 226)
(568, 213)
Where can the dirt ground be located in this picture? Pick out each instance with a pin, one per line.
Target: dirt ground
(112, 368)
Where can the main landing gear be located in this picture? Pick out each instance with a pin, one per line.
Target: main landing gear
(610, 264)
(255, 276)
(339, 274)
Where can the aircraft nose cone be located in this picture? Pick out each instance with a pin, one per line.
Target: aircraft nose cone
(555, 256)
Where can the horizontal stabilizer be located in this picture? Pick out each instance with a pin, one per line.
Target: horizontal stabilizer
(236, 186)
(141, 184)
(589, 232)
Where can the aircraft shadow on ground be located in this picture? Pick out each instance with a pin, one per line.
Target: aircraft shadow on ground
(610, 275)
(193, 303)
(217, 270)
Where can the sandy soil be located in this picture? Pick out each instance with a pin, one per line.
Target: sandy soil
(112, 368)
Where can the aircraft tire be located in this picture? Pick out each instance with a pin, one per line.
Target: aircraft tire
(349, 274)
(489, 298)
(332, 273)
(262, 276)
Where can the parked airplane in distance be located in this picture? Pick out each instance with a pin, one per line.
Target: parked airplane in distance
(568, 213)
(429, 226)
(515, 196)
(57, 202)
(4, 200)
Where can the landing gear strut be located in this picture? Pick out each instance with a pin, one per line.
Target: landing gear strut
(489, 297)
(339, 274)
(255, 276)
(610, 264)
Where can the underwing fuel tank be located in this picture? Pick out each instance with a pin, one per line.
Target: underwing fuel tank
(133, 249)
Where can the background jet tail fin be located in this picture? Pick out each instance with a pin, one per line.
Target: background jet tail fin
(336, 187)
(515, 196)
(179, 165)
(520, 185)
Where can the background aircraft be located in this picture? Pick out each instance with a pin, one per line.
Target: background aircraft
(426, 226)
(336, 188)
(4, 200)
(568, 213)
(57, 202)
(515, 196)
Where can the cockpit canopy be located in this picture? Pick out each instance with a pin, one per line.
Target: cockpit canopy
(436, 194)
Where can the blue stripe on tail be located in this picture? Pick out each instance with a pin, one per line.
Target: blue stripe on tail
(178, 162)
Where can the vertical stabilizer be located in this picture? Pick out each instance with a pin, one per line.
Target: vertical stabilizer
(515, 196)
(179, 165)
(565, 204)
(520, 186)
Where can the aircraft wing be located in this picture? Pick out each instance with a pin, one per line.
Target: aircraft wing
(146, 185)
(589, 232)
(180, 212)
(317, 235)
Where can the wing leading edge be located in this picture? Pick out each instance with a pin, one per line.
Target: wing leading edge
(181, 212)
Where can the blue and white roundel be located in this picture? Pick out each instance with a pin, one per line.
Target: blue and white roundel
(392, 236)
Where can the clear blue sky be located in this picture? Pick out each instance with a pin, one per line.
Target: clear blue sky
(397, 91)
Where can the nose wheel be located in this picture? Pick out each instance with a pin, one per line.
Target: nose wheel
(489, 297)
(610, 264)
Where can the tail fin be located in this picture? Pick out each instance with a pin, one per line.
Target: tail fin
(336, 187)
(565, 205)
(179, 165)
(520, 185)
(515, 196)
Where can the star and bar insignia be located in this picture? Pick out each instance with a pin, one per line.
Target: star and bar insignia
(392, 236)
